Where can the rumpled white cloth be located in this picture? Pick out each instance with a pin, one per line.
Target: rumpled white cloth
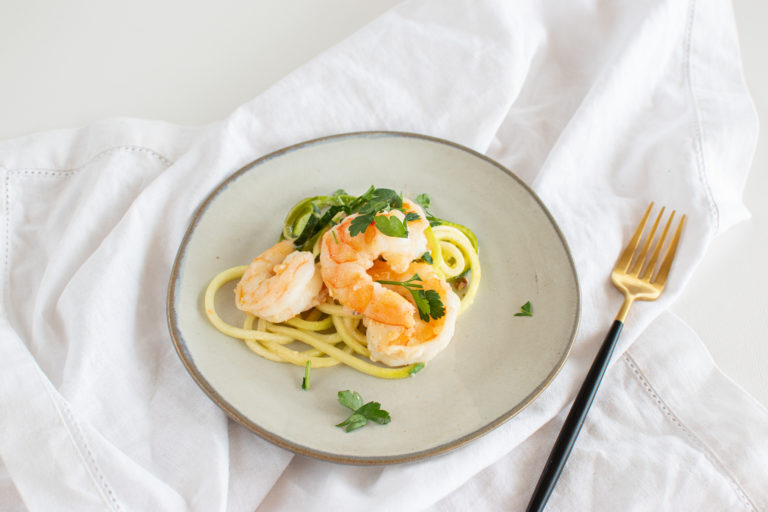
(601, 108)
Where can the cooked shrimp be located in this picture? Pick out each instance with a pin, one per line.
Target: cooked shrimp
(344, 260)
(343, 263)
(279, 284)
(400, 252)
(396, 345)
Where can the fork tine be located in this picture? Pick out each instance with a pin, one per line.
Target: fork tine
(661, 277)
(651, 267)
(626, 257)
(640, 260)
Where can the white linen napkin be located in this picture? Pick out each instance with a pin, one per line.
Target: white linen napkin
(600, 109)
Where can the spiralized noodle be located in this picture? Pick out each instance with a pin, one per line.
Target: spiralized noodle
(333, 332)
(451, 240)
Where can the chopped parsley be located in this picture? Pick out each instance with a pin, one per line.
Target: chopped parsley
(426, 202)
(392, 226)
(359, 224)
(310, 217)
(525, 310)
(382, 200)
(428, 302)
(416, 368)
(305, 380)
(362, 413)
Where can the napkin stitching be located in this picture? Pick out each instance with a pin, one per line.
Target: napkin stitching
(55, 173)
(81, 445)
(58, 171)
(69, 422)
(695, 440)
(7, 235)
(64, 412)
(698, 130)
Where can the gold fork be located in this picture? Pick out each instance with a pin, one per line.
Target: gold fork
(638, 278)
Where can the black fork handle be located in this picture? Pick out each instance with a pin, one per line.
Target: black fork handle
(572, 426)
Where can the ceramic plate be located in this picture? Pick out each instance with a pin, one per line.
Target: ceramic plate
(496, 364)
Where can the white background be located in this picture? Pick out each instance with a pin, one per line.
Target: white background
(67, 64)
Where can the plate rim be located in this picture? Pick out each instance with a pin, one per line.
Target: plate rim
(187, 360)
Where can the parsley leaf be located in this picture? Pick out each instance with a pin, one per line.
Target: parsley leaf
(310, 217)
(350, 399)
(416, 368)
(374, 206)
(525, 310)
(373, 412)
(436, 307)
(359, 224)
(427, 256)
(390, 226)
(411, 216)
(371, 204)
(305, 380)
(428, 302)
(393, 226)
(388, 196)
(362, 413)
(376, 200)
(354, 422)
(424, 201)
(422, 304)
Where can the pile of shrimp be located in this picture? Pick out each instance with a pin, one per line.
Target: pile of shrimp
(282, 283)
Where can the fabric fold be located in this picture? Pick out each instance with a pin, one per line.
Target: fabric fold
(647, 445)
(600, 110)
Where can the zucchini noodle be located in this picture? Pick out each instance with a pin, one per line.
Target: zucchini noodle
(457, 256)
(269, 340)
(333, 332)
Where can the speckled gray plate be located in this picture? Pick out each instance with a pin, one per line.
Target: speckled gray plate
(496, 364)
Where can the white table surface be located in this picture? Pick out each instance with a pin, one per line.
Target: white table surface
(67, 64)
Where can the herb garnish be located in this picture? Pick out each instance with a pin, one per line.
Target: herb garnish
(426, 202)
(428, 302)
(416, 368)
(310, 217)
(525, 310)
(382, 200)
(305, 380)
(363, 413)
